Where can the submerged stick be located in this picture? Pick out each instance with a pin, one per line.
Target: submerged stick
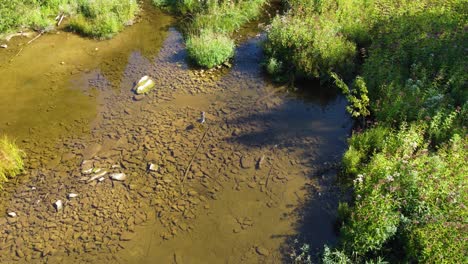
(36, 37)
(193, 156)
(271, 167)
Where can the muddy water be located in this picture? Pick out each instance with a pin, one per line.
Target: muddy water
(236, 189)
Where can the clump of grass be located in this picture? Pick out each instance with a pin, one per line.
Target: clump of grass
(103, 18)
(209, 49)
(99, 18)
(211, 24)
(11, 160)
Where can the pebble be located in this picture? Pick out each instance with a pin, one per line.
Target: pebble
(58, 205)
(4, 46)
(138, 97)
(72, 195)
(127, 236)
(118, 176)
(262, 251)
(247, 162)
(153, 167)
(12, 214)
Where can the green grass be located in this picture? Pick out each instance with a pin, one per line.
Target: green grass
(103, 18)
(405, 61)
(11, 160)
(210, 49)
(213, 22)
(99, 18)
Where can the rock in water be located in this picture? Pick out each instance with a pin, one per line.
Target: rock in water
(12, 214)
(87, 167)
(72, 195)
(246, 162)
(262, 251)
(153, 167)
(118, 176)
(58, 205)
(144, 85)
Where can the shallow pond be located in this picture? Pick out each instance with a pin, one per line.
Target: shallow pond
(236, 189)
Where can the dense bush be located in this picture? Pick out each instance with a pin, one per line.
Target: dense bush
(11, 160)
(408, 166)
(210, 49)
(407, 190)
(101, 18)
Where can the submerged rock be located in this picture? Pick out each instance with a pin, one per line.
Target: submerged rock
(72, 195)
(262, 251)
(87, 167)
(12, 214)
(153, 167)
(118, 176)
(58, 205)
(144, 85)
(247, 162)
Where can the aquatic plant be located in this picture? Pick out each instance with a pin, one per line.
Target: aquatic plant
(103, 18)
(11, 160)
(211, 23)
(210, 49)
(100, 19)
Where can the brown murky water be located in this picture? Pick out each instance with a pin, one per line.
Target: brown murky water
(228, 207)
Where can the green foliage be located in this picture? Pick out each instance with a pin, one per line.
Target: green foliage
(210, 49)
(335, 257)
(212, 21)
(407, 190)
(11, 160)
(227, 16)
(309, 45)
(357, 96)
(100, 18)
(103, 18)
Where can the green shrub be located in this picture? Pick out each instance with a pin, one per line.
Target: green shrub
(11, 160)
(103, 18)
(308, 48)
(210, 49)
(210, 24)
(405, 189)
(408, 168)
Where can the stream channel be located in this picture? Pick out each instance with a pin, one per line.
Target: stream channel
(262, 167)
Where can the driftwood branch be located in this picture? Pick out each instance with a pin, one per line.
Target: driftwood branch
(36, 37)
(60, 20)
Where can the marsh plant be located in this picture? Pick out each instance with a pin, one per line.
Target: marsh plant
(210, 26)
(99, 18)
(209, 49)
(11, 160)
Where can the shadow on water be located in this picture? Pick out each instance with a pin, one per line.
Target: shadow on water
(311, 119)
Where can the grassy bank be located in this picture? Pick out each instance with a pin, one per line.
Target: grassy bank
(404, 71)
(211, 24)
(11, 160)
(100, 19)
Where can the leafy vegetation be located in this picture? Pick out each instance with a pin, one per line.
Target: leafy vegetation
(211, 24)
(11, 160)
(210, 49)
(100, 19)
(408, 164)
